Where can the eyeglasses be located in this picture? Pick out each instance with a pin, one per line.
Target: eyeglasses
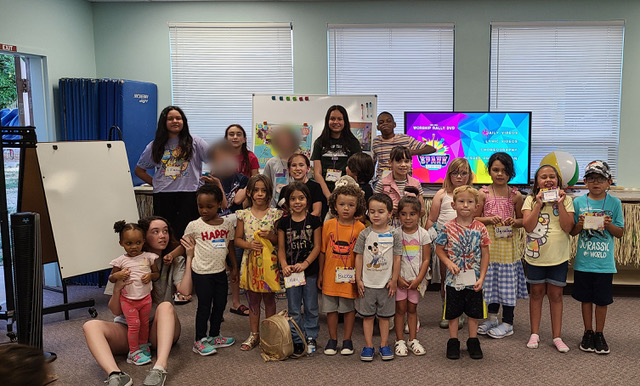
(598, 180)
(460, 174)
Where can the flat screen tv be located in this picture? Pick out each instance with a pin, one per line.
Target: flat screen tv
(472, 135)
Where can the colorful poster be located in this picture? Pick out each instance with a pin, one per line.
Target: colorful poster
(362, 131)
(263, 148)
(474, 136)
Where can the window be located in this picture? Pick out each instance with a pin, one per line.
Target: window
(409, 67)
(215, 68)
(569, 75)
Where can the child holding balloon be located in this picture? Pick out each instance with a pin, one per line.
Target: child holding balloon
(548, 218)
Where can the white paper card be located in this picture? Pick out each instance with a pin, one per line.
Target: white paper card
(345, 275)
(593, 222)
(296, 279)
(333, 175)
(171, 171)
(466, 278)
(385, 238)
(550, 195)
(503, 231)
(219, 244)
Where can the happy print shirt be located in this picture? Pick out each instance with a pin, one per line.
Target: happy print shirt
(548, 244)
(212, 245)
(464, 246)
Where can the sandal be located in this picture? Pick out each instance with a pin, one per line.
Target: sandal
(501, 331)
(179, 298)
(251, 342)
(241, 310)
(401, 348)
(416, 347)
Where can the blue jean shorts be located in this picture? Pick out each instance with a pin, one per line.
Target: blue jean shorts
(553, 274)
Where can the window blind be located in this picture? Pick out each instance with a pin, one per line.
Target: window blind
(216, 67)
(409, 67)
(569, 75)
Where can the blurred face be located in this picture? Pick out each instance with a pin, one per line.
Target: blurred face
(336, 122)
(132, 242)
(409, 217)
(236, 136)
(547, 178)
(464, 204)
(378, 213)
(498, 174)
(597, 184)
(158, 235)
(174, 123)
(208, 207)
(346, 206)
(386, 124)
(259, 194)
(298, 169)
(285, 143)
(298, 202)
(459, 177)
(401, 167)
(223, 164)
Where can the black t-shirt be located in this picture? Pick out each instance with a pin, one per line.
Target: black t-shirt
(299, 243)
(335, 156)
(368, 191)
(314, 188)
(231, 185)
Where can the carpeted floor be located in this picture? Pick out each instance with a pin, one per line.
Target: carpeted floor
(506, 361)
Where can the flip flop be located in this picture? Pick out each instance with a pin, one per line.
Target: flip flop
(241, 310)
(178, 298)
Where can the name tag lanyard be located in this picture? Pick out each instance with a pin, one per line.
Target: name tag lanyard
(345, 260)
(466, 250)
(304, 227)
(406, 254)
(603, 203)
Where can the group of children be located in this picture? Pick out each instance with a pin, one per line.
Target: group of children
(364, 249)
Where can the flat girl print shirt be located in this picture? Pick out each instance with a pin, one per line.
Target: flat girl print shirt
(212, 245)
(548, 244)
(338, 242)
(463, 245)
(174, 173)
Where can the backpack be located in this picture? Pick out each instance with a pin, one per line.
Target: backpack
(276, 342)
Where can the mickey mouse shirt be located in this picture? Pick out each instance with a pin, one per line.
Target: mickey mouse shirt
(174, 173)
(548, 244)
(377, 250)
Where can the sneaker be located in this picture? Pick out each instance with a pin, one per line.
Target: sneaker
(392, 324)
(504, 329)
(444, 323)
(401, 348)
(487, 325)
(331, 348)
(416, 347)
(473, 346)
(406, 327)
(367, 354)
(311, 346)
(138, 358)
(453, 348)
(587, 344)
(203, 347)
(220, 341)
(347, 347)
(298, 349)
(560, 345)
(146, 349)
(601, 345)
(155, 377)
(386, 353)
(122, 379)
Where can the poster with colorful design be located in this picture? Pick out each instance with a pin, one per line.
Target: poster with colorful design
(263, 149)
(474, 136)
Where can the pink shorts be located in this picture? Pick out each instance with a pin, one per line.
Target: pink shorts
(404, 293)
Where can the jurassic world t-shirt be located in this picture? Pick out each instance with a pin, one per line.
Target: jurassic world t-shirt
(337, 245)
(299, 241)
(174, 173)
(548, 244)
(596, 247)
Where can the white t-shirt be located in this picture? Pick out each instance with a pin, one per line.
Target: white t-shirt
(212, 245)
(377, 250)
(412, 245)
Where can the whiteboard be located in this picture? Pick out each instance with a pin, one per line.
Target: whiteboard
(87, 187)
(307, 113)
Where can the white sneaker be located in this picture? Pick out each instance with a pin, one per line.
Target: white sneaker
(406, 327)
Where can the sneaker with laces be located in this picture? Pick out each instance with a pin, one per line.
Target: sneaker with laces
(155, 377)
(311, 346)
(367, 354)
(220, 341)
(587, 344)
(453, 348)
(601, 346)
(146, 349)
(203, 347)
(331, 348)
(121, 379)
(138, 358)
(386, 353)
(473, 346)
(347, 347)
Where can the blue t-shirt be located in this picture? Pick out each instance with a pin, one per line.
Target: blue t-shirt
(596, 248)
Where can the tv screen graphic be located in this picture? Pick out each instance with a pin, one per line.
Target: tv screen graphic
(472, 135)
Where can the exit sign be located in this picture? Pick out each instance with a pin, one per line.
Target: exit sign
(8, 47)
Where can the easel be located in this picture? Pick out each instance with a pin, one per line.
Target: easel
(30, 198)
